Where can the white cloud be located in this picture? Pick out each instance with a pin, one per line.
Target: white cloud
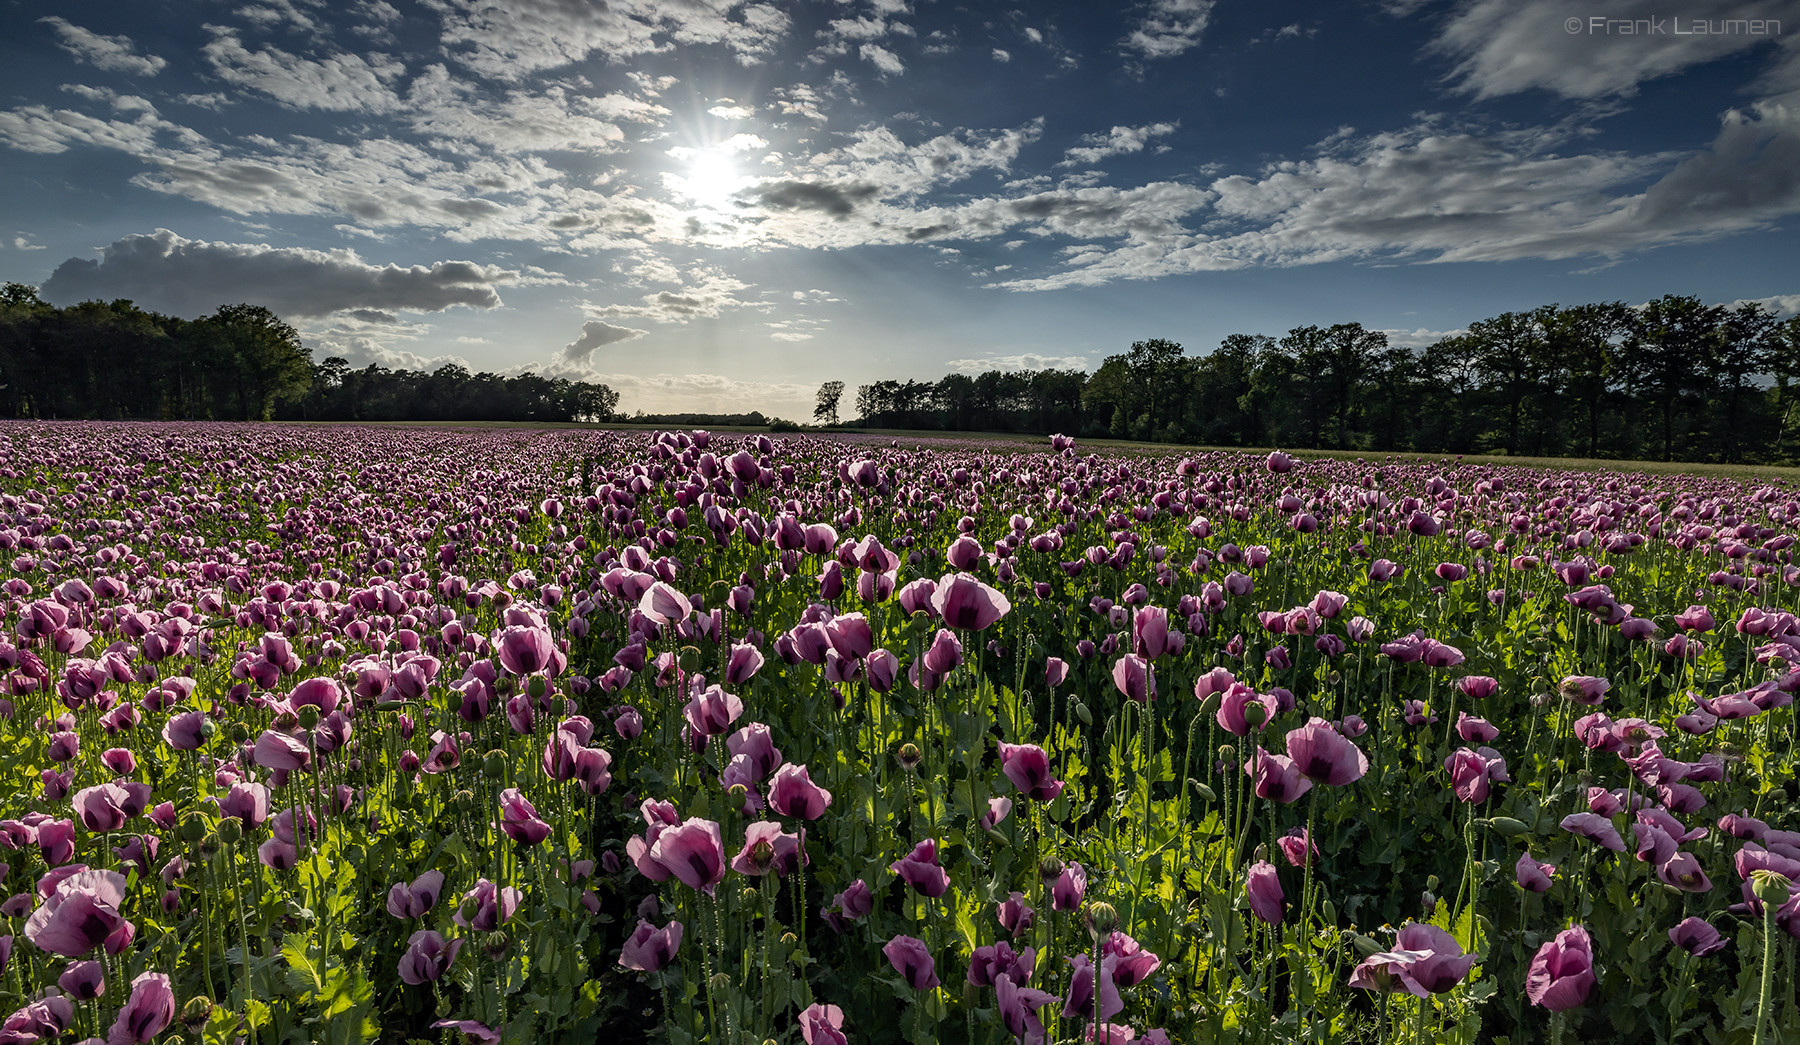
(1780, 304)
(1113, 143)
(726, 109)
(513, 40)
(1002, 55)
(40, 129)
(22, 243)
(882, 58)
(1503, 47)
(458, 115)
(594, 335)
(165, 272)
(1169, 27)
(115, 54)
(1419, 337)
(668, 393)
(338, 83)
(704, 294)
(1021, 361)
(1432, 193)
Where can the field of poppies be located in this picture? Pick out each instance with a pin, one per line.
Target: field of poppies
(339, 734)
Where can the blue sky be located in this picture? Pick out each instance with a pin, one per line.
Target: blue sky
(717, 206)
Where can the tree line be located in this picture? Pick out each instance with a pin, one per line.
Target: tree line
(115, 361)
(1674, 379)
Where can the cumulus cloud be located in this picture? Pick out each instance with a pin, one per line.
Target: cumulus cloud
(513, 40)
(337, 83)
(1021, 361)
(882, 58)
(708, 393)
(165, 272)
(1119, 140)
(1502, 47)
(1780, 304)
(115, 54)
(704, 294)
(596, 334)
(1419, 337)
(457, 114)
(1169, 27)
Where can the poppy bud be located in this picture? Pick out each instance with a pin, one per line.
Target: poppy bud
(537, 687)
(1428, 902)
(196, 1013)
(690, 658)
(1366, 946)
(1508, 827)
(737, 794)
(1082, 713)
(230, 830)
(239, 732)
(207, 728)
(720, 982)
(1205, 792)
(494, 765)
(1050, 868)
(909, 757)
(193, 827)
(454, 699)
(1102, 918)
(495, 944)
(1255, 714)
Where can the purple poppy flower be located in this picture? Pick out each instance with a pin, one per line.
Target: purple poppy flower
(1262, 884)
(1562, 972)
(912, 960)
(1532, 874)
(149, 1010)
(1697, 936)
(1324, 756)
(1028, 767)
(921, 870)
(1067, 892)
(650, 949)
(414, 900)
(792, 793)
(964, 602)
(427, 957)
(693, 852)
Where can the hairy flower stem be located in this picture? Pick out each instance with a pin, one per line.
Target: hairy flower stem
(1768, 967)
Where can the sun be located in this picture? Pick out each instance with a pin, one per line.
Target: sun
(712, 176)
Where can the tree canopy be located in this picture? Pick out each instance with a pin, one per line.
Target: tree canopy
(114, 360)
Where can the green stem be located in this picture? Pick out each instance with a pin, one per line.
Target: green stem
(1768, 967)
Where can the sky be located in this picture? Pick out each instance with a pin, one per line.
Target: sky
(717, 206)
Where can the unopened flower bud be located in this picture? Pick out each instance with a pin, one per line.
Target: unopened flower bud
(196, 1013)
(1102, 918)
